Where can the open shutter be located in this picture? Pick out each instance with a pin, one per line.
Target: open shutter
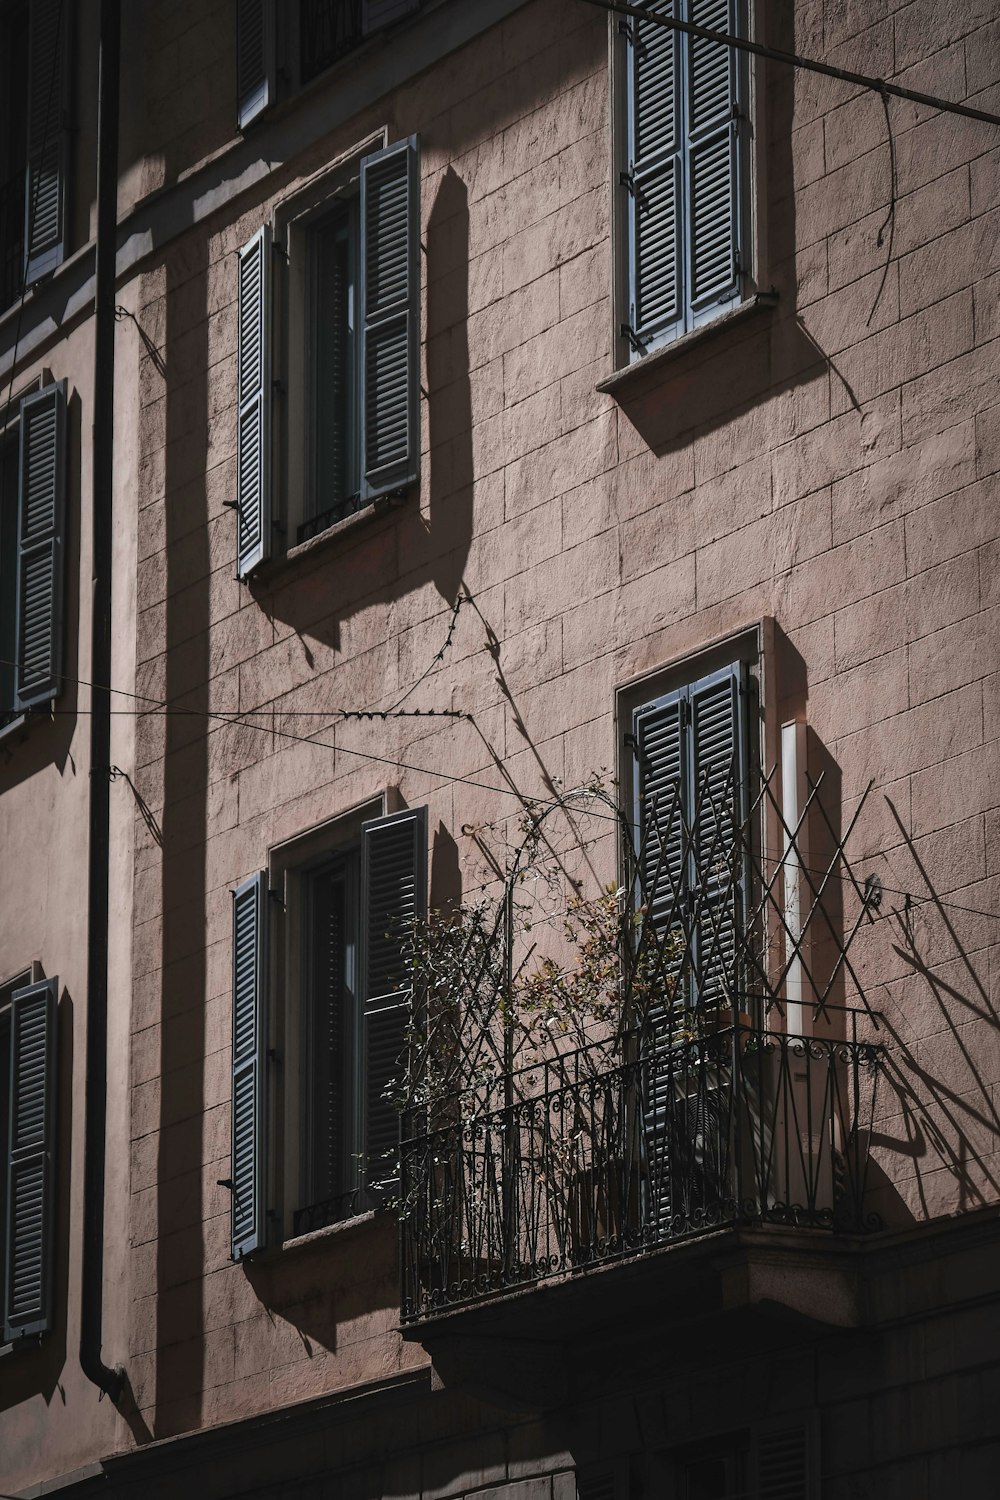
(249, 1057)
(41, 510)
(394, 896)
(652, 181)
(390, 319)
(253, 437)
(255, 58)
(381, 13)
(713, 185)
(718, 780)
(31, 1165)
(45, 179)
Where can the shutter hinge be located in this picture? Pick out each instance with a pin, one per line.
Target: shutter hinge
(276, 898)
(279, 527)
(280, 250)
(628, 332)
(685, 713)
(625, 28)
(231, 504)
(279, 386)
(627, 180)
(632, 743)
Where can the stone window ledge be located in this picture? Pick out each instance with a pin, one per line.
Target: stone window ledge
(644, 373)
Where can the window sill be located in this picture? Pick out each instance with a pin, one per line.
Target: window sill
(317, 1238)
(645, 372)
(328, 538)
(8, 730)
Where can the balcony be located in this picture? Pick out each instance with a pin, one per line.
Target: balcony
(577, 1168)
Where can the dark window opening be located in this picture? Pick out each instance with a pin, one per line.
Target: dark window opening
(333, 376)
(328, 31)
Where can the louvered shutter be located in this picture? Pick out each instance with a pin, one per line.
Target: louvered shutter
(253, 438)
(661, 812)
(45, 179)
(31, 1165)
(713, 166)
(381, 13)
(394, 896)
(41, 513)
(255, 58)
(390, 319)
(716, 793)
(653, 179)
(249, 1056)
(783, 1462)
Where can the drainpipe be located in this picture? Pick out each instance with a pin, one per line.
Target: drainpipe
(110, 1381)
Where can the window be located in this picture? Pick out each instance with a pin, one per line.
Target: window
(27, 1144)
(683, 199)
(296, 42)
(689, 787)
(344, 295)
(32, 507)
(336, 931)
(33, 142)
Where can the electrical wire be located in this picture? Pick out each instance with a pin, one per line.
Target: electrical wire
(795, 60)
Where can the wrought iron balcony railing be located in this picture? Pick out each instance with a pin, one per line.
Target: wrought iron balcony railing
(563, 1169)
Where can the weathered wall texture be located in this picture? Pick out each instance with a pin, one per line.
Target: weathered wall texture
(829, 463)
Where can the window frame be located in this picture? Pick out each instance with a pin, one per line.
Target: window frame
(751, 195)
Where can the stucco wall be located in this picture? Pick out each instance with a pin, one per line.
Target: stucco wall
(828, 463)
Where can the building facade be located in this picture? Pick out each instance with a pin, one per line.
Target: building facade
(542, 475)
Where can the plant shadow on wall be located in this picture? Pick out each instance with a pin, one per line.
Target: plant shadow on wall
(947, 1119)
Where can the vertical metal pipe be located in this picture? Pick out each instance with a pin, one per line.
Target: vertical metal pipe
(110, 1381)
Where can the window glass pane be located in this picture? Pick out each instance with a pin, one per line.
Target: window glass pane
(328, 30)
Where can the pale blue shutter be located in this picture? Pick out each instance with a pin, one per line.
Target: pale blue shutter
(255, 58)
(253, 436)
(249, 1062)
(45, 179)
(394, 898)
(390, 320)
(31, 1165)
(381, 13)
(41, 512)
(653, 179)
(713, 160)
(717, 795)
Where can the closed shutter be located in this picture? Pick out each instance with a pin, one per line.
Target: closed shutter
(683, 179)
(394, 897)
(784, 1460)
(253, 437)
(390, 319)
(41, 513)
(713, 182)
(31, 1164)
(716, 795)
(381, 13)
(45, 179)
(654, 178)
(249, 1054)
(255, 58)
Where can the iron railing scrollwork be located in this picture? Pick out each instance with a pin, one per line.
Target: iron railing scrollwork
(738, 1127)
